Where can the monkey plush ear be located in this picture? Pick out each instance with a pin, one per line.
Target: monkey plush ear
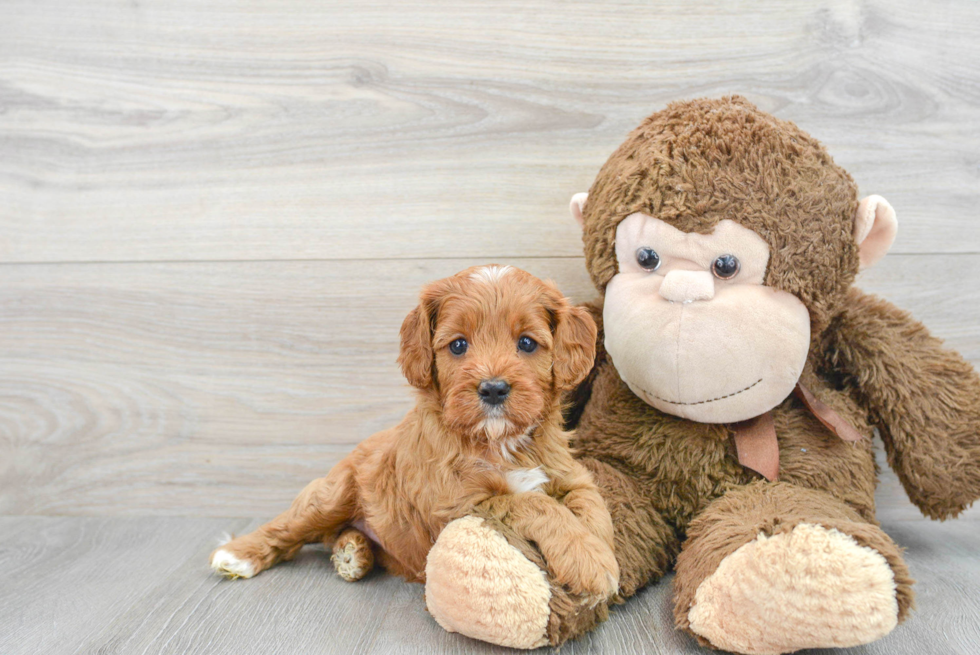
(875, 227)
(574, 354)
(577, 206)
(415, 356)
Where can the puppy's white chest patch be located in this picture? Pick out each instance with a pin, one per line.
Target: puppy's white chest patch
(522, 480)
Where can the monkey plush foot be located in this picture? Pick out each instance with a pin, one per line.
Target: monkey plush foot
(774, 568)
(352, 555)
(809, 588)
(485, 581)
(479, 585)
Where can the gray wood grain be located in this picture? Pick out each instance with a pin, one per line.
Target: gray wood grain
(222, 388)
(131, 586)
(151, 130)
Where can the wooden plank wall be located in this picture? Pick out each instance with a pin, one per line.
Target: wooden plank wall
(213, 216)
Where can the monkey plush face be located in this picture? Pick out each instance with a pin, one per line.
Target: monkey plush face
(725, 346)
(725, 241)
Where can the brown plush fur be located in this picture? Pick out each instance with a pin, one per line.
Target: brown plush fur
(452, 453)
(696, 163)
(671, 482)
(924, 400)
(692, 165)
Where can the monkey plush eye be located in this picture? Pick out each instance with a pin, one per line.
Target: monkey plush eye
(458, 347)
(648, 259)
(527, 344)
(726, 267)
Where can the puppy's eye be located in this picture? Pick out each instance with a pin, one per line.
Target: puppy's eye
(527, 344)
(458, 347)
(648, 259)
(726, 267)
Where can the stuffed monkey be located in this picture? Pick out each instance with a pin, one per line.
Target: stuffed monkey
(729, 416)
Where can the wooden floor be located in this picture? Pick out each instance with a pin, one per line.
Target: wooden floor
(114, 585)
(214, 216)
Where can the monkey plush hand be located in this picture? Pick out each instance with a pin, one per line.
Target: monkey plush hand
(729, 416)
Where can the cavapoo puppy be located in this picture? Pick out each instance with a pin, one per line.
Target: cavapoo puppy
(491, 351)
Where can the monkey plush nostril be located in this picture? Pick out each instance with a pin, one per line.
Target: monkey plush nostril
(687, 286)
(493, 392)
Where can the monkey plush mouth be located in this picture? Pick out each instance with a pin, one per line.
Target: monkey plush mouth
(701, 402)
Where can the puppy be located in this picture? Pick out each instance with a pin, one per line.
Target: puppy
(490, 350)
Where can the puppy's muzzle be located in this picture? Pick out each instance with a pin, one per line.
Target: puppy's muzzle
(493, 392)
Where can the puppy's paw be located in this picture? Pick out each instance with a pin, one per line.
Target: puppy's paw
(352, 555)
(239, 558)
(230, 566)
(587, 568)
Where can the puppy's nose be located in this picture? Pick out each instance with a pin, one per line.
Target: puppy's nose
(493, 392)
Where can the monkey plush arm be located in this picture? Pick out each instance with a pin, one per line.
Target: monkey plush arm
(924, 399)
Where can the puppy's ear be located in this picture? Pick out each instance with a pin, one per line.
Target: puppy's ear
(415, 356)
(575, 335)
